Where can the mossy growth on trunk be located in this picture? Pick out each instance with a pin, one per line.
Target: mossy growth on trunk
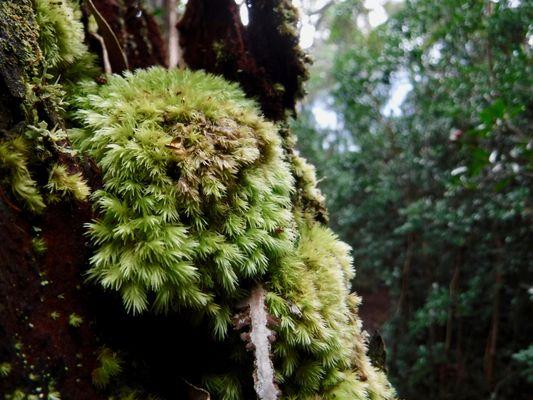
(201, 199)
(197, 205)
(42, 54)
(195, 195)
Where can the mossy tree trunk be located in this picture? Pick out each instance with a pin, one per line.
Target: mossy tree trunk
(42, 291)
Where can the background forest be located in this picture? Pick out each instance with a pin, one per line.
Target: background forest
(419, 122)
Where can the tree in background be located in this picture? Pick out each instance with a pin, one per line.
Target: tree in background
(434, 194)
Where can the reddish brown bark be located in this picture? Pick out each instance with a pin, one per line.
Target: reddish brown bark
(263, 57)
(136, 31)
(37, 296)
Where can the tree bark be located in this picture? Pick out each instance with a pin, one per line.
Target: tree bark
(39, 293)
(263, 57)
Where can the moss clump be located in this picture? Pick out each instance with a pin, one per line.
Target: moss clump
(197, 202)
(196, 193)
(109, 367)
(39, 245)
(320, 347)
(5, 369)
(16, 176)
(75, 320)
(61, 36)
(63, 184)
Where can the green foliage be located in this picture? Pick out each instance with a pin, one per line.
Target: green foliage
(525, 358)
(195, 195)
(62, 184)
(61, 36)
(109, 367)
(16, 176)
(435, 195)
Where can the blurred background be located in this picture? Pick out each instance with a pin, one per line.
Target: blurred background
(418, 119)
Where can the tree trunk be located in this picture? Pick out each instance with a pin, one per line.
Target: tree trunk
(42, 293)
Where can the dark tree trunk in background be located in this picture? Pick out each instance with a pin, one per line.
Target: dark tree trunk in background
(263, 56)
(136, 31)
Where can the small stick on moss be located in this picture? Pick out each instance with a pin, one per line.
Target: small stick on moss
(259, 340)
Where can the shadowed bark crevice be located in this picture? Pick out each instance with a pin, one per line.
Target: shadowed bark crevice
(136, 30)
(263, 57)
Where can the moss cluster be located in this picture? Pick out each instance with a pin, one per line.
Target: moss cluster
(63, 184)
(320, 348)
(109, 366)
(196, 194)
(47, 36)
(61, 36)
(15, 174)
(198, 201)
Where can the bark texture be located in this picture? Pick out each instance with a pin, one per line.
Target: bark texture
(136, 30)
(40, 292)
(263, 56)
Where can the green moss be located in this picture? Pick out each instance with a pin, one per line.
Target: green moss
(75, 320)
(39, 245)
(20, 54)
(320, 346)
(307, 198)
(224, 387)
(5, 369)
(197, 200)
(63, 184)
(16, 176)
(61, 36)
(288, 15)
(196, 194)
(55, 315)
(109, 367)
